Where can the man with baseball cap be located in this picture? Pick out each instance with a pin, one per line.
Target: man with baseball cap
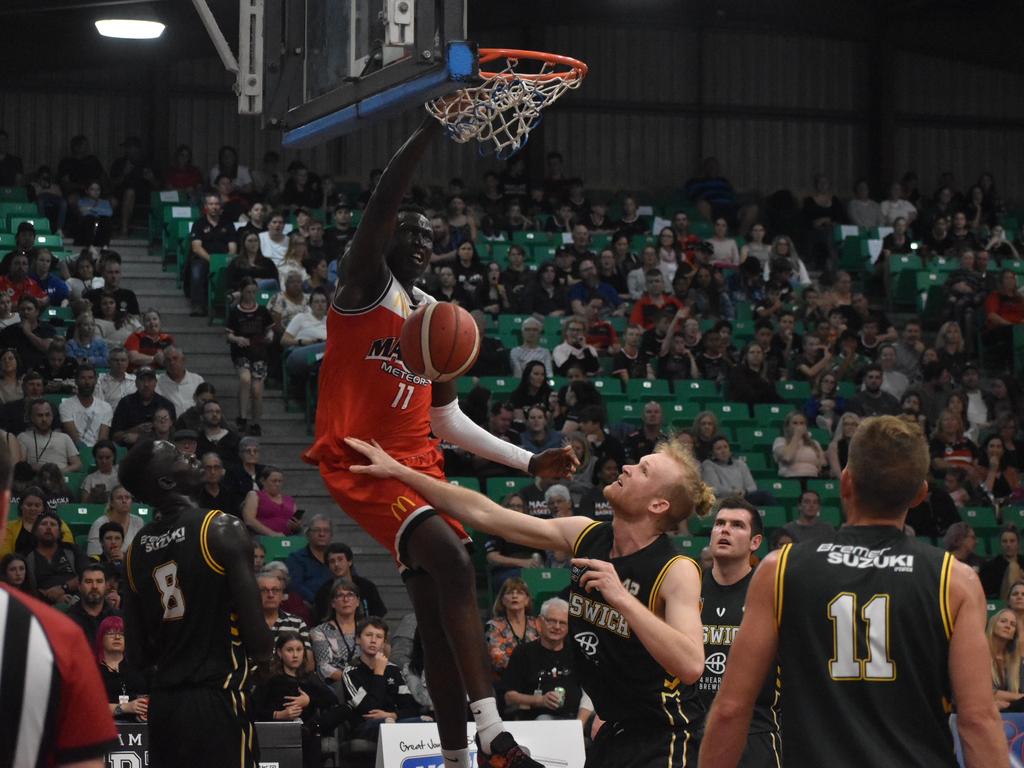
(133, 417)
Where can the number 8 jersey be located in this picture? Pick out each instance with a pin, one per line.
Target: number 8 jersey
(864, 628)
(365, 389)
(190, 624)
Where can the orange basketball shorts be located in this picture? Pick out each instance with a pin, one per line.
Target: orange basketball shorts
(385, 508)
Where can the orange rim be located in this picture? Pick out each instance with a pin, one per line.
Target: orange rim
(577, 70)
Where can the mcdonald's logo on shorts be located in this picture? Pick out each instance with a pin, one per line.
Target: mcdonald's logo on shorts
(401, 507)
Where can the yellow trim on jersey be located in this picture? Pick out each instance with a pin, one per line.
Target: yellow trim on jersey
(652, 602)
(205, 547)
(128, 570)
(780, 577)
(583, 533)
(944, 579)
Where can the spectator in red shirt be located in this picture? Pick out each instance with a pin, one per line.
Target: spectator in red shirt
(146, 347)
(17, 282)
(54, 699)
(1004, 308)
(600, 333)
(183, 174)
(653, 299)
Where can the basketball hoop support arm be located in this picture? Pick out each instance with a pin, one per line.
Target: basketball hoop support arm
(216, 36)
(248, 68)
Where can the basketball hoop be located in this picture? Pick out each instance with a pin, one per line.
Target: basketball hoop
(501, 111)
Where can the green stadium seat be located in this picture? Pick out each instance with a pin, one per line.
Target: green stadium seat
(216, 293)
(823, 436)
(981, 519)
(610, 388)
(533, 238)
(52, 242)
(831, 515)
(74, 481)
(279, 547)
(13, 511)
(500, 487)
(7, 240)
(701, 390)
(541, 252)
(784, 489)
(499, 253)
(13, 194)
(680, 414)
(80, 517)
(774, 517)
(511, 323)
(794, 391)
(828, 490)
(41, 223)
(734, 414)
(553, 327)
(465, 482)
(58, 313)
(643, 390)
(756, 462)
(500, 386)
(626, 412)
(1014, 516)
(691, 545)
(144, 511)
(545, 583)
(11, 209)
(755, 438)
(769, 414)
(993, 606)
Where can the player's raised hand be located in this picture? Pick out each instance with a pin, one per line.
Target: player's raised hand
(556, 463)
(381, 464)
(601, 575)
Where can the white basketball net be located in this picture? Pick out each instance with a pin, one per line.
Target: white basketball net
(500, 112)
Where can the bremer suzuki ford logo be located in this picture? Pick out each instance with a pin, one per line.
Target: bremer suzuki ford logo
(587, 641)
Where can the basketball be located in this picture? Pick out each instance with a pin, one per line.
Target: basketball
(439, 341)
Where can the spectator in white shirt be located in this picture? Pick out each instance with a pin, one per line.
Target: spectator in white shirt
(306, 335)
(97, 485)
(897, 207)
(85, 418)
(862, 210)
(177, 383)
(117, 382)
(41, 445)
(273, 242)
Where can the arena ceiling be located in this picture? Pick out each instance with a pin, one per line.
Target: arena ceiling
(59, 34)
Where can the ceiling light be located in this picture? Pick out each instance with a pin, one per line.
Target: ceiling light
(130, 29)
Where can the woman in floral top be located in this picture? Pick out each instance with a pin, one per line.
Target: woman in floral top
(513, 623)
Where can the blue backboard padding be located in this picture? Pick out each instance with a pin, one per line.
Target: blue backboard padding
(460, 66)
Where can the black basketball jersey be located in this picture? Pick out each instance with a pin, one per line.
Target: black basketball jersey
(864, 627)
(625, 682)
(722, 613)
(183, 593)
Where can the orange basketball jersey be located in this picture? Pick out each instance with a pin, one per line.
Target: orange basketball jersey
(365, 389)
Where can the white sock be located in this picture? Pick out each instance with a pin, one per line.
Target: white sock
(488, 721)
(456, 758)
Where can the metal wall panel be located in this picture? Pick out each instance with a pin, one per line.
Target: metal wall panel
(967, 153)
(932, 86)
(780, 71)
(629, 63)
(767, 155)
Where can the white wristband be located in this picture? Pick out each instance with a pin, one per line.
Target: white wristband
(449, 423)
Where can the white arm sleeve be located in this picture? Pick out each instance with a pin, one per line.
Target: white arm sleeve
(449, 423)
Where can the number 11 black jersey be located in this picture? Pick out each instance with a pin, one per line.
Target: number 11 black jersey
(190, 624)
(864, 628)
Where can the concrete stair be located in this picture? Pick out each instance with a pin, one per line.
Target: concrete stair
(284, 433)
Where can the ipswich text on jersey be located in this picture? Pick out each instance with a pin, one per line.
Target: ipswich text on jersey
(597, 613)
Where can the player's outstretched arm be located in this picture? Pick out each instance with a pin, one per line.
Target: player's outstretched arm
(675, 641)
(470, 507)
(231, 547)
(753, 652)
(978, 721)
(363, 273)
(448, 422)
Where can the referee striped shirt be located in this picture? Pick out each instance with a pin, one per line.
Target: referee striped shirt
(54, 703)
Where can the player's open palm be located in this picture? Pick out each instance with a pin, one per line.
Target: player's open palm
(381, 464)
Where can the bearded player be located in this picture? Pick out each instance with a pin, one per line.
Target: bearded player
(366, 392)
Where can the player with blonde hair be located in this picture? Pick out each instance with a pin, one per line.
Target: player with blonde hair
(634, 604)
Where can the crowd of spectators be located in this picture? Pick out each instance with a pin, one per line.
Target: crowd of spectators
(744, 301)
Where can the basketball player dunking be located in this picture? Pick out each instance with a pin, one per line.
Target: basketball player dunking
(634, 613)
(876, 633)
(366, 391)
(192, 616)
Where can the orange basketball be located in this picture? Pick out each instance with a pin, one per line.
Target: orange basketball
(439, 341)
